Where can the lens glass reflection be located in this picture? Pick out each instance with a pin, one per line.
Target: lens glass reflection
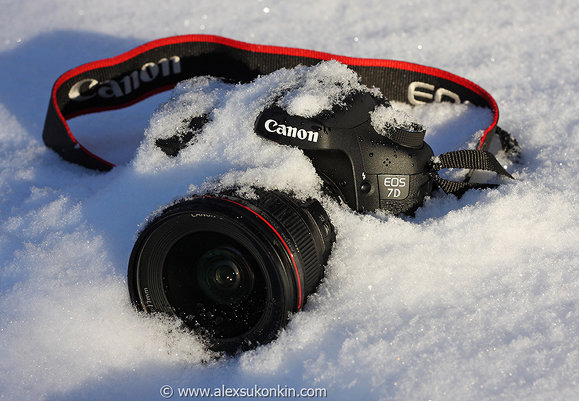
(214, 284)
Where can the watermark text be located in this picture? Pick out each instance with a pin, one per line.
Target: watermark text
(256, 391)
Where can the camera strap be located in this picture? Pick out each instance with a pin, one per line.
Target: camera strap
(159, 65)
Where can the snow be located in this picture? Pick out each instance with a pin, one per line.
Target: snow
(385, 118)
(475, 298)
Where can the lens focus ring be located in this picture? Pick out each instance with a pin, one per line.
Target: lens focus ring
(301, 228)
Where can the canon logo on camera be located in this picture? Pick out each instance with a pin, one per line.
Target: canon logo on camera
(293, 132)
(88, 88)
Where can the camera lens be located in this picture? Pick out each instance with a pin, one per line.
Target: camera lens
(231, 269)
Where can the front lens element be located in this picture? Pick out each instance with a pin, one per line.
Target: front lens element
(224, 275)
(209, 281)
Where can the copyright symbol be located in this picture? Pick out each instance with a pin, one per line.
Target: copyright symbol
(166, 391)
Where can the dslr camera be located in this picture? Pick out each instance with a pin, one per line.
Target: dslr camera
(233, 269)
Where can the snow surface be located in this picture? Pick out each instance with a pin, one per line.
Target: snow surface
(474, 298)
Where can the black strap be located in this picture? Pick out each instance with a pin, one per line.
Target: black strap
(467, 159)
(159, 65)
(509, 144)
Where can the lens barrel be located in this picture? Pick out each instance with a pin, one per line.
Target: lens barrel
(232, 269)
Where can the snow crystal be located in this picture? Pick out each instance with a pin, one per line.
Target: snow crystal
(384, 118)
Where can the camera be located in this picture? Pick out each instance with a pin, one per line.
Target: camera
(234, 269)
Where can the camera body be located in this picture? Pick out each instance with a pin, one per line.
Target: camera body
(366, 169)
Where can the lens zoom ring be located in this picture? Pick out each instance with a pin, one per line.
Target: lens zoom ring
(284, 211)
